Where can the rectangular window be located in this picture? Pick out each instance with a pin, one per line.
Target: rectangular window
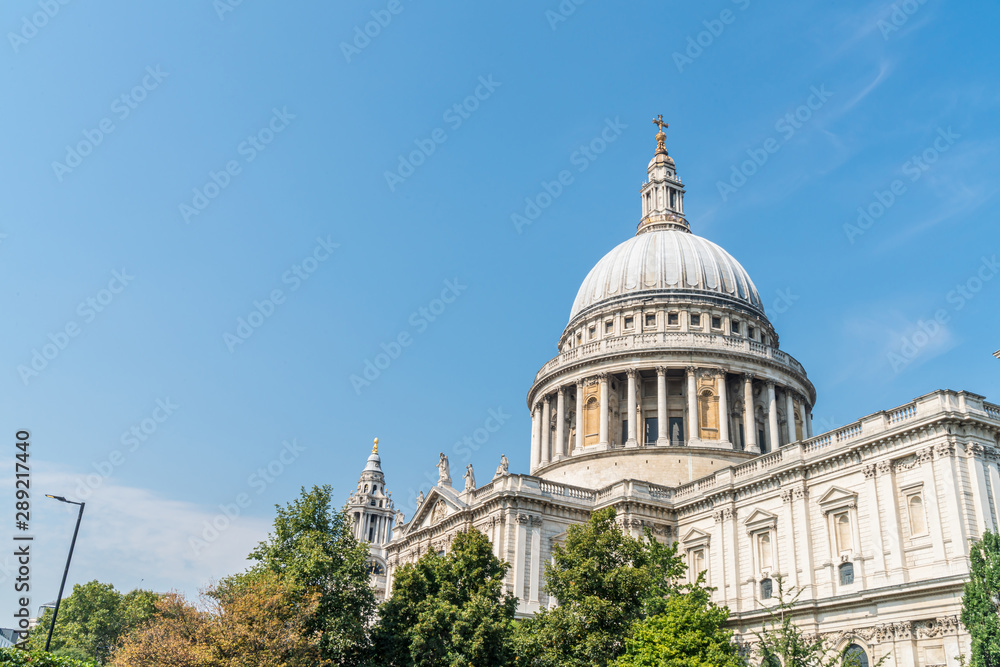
(695, 320)
(673, 319)
(734, 327)
(629, 322)
(609, 326)
(650, 319)
(716, 322)
(752, 333)
(593, 333)
(696, 563)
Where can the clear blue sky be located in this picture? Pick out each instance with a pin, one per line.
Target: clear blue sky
(199, 82)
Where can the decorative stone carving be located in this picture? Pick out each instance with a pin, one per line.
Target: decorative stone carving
(399, 519)
(884, 467)
(945, 450)
(871, 471)
(439, 511)
(470, 479)
(504, 467)
(444, 474)
(420, 499)
(925, 456)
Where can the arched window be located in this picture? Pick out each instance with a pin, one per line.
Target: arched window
(770, 661)
(842, 522)
(764, 551)
(855, 656)
(918, 518)
(846, 574)
(766, 589)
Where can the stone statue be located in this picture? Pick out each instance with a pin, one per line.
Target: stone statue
(399, 519)
(420, 499)
(677, 434)
(503, 468)
(444, 474)
(470, 479)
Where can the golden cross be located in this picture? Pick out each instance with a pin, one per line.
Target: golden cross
(659, 121)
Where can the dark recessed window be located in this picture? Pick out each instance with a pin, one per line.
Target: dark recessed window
(650, 319)
(695, 320)
(846, 574)
(752, 333)
(609, 326)
(716, 322)
(579, 337)
(673, 319)
(855, 656)
(593, 332)
(734, 327)
(766, 589)
(629, 322)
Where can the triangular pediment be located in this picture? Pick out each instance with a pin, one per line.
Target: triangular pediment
(759, 516)
(695, 537)
(439, 504)
(838, 496)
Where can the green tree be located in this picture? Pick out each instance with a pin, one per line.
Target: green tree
(782, 641)
(688, 632)
(604, 580)
(449, 611)
(92, 619)
(16, 657)
(981, 602)
(313, 548)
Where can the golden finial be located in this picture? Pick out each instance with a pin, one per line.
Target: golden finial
(661, 136)
(375, 448)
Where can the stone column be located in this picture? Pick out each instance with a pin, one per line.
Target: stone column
(605, 410)
(749, 419)
(692, 396)
(546, 430)
(790, 415)
(809, 422)
(536, 560)
(579, 415)
(632, 440)
(802, 417)
(560, 425)
(723, 408)
(536, 437)
(662, 419)
(519, 557)
(772, 416)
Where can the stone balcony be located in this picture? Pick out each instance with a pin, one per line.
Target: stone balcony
(673, 343)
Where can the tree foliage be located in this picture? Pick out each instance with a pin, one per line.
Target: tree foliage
(981, 602)
(92, 619)
(13, 657)
(605, 580)
(782, 641)
(449, 611)
(253, 620)
(313, 547)
(687, 632)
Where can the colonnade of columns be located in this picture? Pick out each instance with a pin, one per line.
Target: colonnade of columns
(548, 446)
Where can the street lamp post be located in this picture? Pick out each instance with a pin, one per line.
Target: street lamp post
(69, 558)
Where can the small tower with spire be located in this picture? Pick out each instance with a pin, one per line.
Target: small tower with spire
(371, 509)
(663, 192)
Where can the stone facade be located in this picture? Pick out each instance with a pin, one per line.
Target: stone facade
(671, 401)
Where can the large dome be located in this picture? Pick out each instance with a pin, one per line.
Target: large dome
(666, 261)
